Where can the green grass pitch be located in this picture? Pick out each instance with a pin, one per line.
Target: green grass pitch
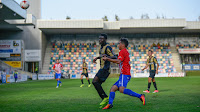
(176, 95)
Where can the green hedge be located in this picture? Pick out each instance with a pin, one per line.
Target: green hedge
(192, 73)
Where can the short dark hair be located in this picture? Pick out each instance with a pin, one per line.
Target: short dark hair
(151, 51)
(124, 41)
(104, 35)
(57, 59)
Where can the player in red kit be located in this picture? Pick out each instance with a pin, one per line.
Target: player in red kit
(58, 69)
(125, 75)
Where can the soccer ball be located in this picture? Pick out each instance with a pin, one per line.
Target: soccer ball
(24, 4)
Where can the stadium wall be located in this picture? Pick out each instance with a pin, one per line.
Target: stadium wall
(30, 35)
(44, 42)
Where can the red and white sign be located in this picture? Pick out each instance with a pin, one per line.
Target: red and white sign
(176, 74)
(5, 46)
(159, 75)
(14, 45)
(189, 51)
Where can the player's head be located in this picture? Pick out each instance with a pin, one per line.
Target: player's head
(57, 60)
(123, 43)
(150, 52)
(102, 38)
(83, 60)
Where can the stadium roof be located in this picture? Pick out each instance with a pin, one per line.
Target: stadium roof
(122, 26)
(9, 9)
(12, 16)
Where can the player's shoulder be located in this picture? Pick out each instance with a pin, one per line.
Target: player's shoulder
(124, 51)
(108, 46)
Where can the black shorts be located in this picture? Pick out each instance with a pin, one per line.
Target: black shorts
(103, 74)
(86, 74)
(152, 74)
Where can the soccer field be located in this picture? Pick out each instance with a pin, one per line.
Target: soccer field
(176, 94)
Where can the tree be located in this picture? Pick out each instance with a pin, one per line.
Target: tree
(105, 18)
(146, 16)
(199, 18)
(68, 17)
(142, 16)
(131, 17)
(116, 17)
(163, 17)
(157, 16)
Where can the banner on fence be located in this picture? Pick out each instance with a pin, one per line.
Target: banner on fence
(191, 67)
(45, 76)
(34, 77)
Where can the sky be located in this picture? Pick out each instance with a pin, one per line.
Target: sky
(96, 9)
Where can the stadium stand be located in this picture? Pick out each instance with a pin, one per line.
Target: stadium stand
(187, 42)
(138, 57)
(179, 46)
(71, 54)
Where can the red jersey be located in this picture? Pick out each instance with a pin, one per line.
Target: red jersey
(58, 67)
(124, 66)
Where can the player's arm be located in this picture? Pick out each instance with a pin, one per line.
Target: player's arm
(147, 65)
(112, 57)
(98, 57)
(157, 68)
(95, 59)
(110, 53)
(155, 60)
(61, 67)
(54, 68)
(118, 61)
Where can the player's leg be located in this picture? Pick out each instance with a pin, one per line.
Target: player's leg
(123, 81)
(88, 81)
(59, 79)
(82, 84)
(56, 77)
(132, 93)
(122, 88)
(154, 83)
(58, 82)
(100, 77)
(113, 89)
(129, 92)
(97, 84)
(149, 84)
